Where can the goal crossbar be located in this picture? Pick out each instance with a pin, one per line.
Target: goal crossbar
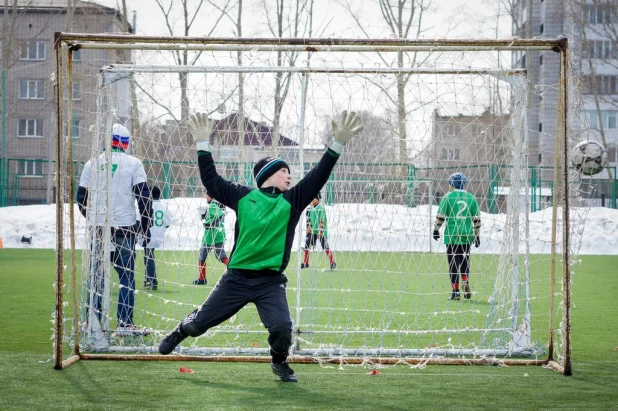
(86, 40)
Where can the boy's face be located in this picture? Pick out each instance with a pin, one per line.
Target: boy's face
(208, 198)
(282, 180)
(315, 202)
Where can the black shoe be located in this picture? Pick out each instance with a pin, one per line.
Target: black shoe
(200, 282)
(171, 341)
(284, 372)
(333, 265)
(303, 265)
(466, 290)
(150, 286)
(455, 296)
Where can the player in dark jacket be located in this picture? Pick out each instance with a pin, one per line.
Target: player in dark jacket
(266, 218)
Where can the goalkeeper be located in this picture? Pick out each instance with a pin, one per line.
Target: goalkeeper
(263, 236)
(460, 211)
(317, 230)
(213, 238)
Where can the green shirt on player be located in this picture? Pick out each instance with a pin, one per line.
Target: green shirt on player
(318, 221)
(266, 218)
(214, 230)
(460, 211)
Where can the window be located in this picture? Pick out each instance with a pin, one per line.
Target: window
(76, 93)
(609, 119)
(32, 89)
(540, 127)
(599, 14)
(599, 49)
(449, 154)
(540, 158)
(593, 118)
(30, 128)
(540, 60)
(541, 28)
(451, 130)
(77, 56)
(76, 129)
(611, 154)
(34, 50)
(606, 84)
(602, 85)
(229, 152)
(32, 168)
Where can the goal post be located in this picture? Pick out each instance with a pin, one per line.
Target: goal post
(452, 106)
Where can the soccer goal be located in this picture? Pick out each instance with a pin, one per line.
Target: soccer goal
(430, 108)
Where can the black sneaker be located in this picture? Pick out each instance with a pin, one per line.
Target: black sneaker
(284, 372)
(171, 341)
(333, 265)
(150, 286)
(200, 282)
(303, 265)
(455, 296)
(466, 291)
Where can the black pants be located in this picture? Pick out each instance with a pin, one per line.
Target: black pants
(232, 292)
(312, 239)
(458, 256)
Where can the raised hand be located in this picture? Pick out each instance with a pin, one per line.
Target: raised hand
(200, 127)
(345, 129)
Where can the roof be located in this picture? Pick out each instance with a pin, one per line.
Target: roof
(256, 134)
(50, 5)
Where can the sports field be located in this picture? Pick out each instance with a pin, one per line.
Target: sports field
(28, 380)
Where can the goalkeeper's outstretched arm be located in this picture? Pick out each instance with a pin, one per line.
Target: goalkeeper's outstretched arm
(308, 188)
(224, 191)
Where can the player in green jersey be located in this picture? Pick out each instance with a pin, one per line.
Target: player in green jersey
(266, 218)
(460, 212)
(317, 231)
(213, 238)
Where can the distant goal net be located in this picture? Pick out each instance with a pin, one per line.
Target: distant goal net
(429, 108)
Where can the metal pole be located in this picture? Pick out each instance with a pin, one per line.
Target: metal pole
(3, 172)
(301, 166)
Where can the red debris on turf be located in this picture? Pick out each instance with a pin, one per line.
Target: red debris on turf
(374, 372)
(183, 369)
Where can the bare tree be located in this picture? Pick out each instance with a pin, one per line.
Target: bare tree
(405, 20)
(190, 10)
(293, 20)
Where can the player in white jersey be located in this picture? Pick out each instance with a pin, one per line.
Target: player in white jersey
(95, 198)
(161, 219)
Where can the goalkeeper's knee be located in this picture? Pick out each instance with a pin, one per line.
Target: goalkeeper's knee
(280, 338)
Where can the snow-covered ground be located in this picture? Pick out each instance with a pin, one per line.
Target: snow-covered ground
(352, 227)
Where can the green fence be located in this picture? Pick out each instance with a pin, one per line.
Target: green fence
(28, 181)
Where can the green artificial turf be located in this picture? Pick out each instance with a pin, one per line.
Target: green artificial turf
(29, 381)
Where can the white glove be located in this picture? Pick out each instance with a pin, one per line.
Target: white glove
(201, 129)
(345, 130)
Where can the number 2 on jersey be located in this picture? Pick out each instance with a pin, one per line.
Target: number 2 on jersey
(463, 206)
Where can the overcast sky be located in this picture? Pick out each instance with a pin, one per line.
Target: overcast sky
(472, 18)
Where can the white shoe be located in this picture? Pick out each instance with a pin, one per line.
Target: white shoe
(131, 331)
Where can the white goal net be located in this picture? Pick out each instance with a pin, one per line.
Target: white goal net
(429, 109)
